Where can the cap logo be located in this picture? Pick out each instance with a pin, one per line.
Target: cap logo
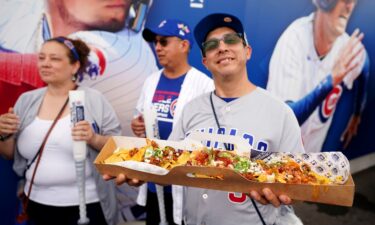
(162, 23)
(183, 29)
(227, 19)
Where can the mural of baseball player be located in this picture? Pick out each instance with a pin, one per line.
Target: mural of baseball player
(314, 65)
(109, 27)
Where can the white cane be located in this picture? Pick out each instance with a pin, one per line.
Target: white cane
(152, 131)
(76, 103)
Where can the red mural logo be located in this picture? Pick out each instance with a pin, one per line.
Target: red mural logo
(328, 106)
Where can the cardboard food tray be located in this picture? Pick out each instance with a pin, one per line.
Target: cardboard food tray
(231, 181)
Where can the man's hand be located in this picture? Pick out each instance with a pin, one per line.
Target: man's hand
(351, 130)
(121, 178)
(267, 197)
(138, 126)
(345, 62)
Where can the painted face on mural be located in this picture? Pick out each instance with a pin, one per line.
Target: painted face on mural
(337, 19)
(108, 15)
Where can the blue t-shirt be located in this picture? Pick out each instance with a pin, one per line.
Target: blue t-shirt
(165, 101)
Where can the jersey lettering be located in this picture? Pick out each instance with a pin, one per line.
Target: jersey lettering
(220, 131)
(250, 138)
(210, 131)
(262, 145)
(162, 107)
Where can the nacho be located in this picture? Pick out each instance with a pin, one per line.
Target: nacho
(166, 157)
(278, 170)
(119, 155)
(281, 170)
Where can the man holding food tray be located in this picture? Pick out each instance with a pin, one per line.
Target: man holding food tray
(236, 107)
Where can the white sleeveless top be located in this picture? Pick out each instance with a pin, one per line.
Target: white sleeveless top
(55, 180)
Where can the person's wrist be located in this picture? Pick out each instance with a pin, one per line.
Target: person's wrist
(92, 140)
(334, 80)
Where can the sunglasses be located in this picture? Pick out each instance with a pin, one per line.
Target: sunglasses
(229, 39)
(164, 41)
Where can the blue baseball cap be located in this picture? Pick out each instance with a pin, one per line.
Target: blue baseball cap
(168, 28)
(213, 21)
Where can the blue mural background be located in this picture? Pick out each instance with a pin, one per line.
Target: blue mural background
(264, 22)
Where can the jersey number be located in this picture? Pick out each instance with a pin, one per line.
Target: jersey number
(238, 198)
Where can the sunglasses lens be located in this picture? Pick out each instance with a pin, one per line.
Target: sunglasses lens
(210, 45)
(229, 39)
(163, 42)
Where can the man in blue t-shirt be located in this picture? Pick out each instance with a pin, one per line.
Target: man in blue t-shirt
(167, 90)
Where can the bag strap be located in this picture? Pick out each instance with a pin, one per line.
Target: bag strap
(226, 148)
(37, 154)
(40, 152)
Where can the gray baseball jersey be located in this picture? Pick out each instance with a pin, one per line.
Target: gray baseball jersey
(265, 122)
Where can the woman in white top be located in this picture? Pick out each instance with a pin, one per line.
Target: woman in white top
(54, 197)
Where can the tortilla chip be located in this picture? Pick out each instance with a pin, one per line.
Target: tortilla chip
(113, 159)
(183, 158)
(166, 165)
(139, 156)
(280, 178)
(119, 155)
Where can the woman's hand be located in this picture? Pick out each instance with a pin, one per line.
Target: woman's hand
(82, 131)
(9, 123)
